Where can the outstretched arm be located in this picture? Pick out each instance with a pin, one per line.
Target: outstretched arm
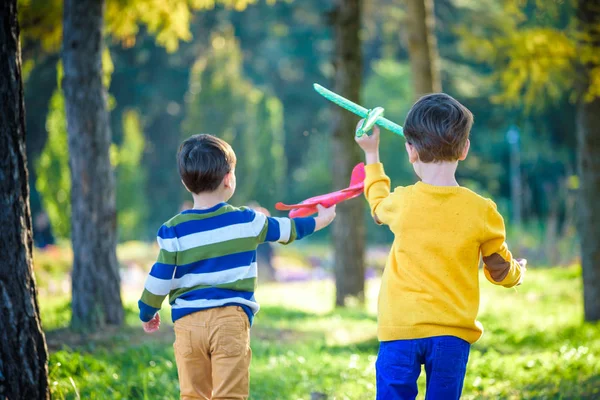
(377, 184)
(286, 230)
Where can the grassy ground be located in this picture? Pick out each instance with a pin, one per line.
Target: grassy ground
(535, 346)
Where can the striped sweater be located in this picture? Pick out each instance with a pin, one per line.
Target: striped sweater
(207, 259)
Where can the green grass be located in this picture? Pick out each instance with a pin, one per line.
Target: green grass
(535, 346)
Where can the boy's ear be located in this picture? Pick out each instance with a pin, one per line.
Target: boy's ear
(413, 154)
(227, 180)
(186, 188)
(465, 152)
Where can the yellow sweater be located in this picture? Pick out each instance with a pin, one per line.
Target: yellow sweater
(430, 285)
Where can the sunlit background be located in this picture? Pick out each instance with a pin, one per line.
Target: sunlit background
(245, 74)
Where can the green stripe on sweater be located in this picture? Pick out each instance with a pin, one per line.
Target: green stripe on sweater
(167, 257)
(216, 250)
(241, 285)
(151, 299)
(178, 219)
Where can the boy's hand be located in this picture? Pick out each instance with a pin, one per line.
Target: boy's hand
(369, 144)
(523, 263)
(153, 324)
(325, 217)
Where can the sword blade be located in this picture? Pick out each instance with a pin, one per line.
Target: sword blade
(356, 109)
(341, 101)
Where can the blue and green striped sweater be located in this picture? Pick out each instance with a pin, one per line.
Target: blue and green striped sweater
(207, 259)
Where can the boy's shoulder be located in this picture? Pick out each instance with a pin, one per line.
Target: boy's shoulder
(468, 195)
(223, 210)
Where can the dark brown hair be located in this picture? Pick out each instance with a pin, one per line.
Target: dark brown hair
(438, 126)
(203, 162)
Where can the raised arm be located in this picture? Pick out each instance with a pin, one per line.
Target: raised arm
(377, 191)
(500, 266)
(158, 283)
(377, 184)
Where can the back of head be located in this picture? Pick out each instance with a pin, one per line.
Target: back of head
(438, 127)
(203, 162)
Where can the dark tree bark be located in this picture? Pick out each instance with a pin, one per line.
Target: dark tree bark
(422, 46)
(588, 135)
(96, 281)
(348, 228)
(23, 353)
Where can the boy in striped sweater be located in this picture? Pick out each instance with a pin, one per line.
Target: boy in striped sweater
(207, 266)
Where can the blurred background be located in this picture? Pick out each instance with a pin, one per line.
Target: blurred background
(243, 70)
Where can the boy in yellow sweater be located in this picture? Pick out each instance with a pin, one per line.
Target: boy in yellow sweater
(429, 295)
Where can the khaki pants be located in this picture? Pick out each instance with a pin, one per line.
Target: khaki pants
(212, 351)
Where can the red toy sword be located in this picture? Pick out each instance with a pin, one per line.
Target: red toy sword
(309, 206)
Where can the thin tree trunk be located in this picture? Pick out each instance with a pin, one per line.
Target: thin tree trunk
(422, 46)
(96, 281)
(588, 135)
(23, 353)
(348, 228)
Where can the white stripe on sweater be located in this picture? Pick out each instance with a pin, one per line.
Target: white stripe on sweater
(204, 303)
(285, 229)
(216, 278)
(157, 286)
(226, 233)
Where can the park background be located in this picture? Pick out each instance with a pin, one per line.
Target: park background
(243, 70)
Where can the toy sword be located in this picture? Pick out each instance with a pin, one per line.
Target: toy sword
(372, 117)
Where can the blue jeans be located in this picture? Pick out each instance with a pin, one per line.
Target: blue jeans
(399, 362)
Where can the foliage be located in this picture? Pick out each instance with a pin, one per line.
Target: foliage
(534, 49)
(53, 175)
(132, 207)
(279, 50)
(300, 345)
(225, 103)
(169, 21)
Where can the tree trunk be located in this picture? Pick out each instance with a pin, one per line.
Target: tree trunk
(588, 135)
(96, 281)
(348, 228)
(422, 46)
(23, 353)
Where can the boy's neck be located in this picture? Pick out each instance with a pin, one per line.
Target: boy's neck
(208, 200)
(438, 174)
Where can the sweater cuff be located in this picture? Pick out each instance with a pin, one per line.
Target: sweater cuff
(304, 226)
(146, 312)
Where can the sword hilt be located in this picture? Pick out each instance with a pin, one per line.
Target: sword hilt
(368, 123)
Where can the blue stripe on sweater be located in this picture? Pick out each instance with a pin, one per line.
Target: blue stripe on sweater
(166, 232)
(213, 293)
(304, 226)
(273, 230)
(162, 271)
(217, 264)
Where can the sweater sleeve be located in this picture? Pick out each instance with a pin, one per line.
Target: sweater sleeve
(286, 230)
(500, 266)
(158, 283)
(377, 192)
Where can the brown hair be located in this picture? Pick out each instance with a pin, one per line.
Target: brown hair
(438, 126)
(203, 162)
